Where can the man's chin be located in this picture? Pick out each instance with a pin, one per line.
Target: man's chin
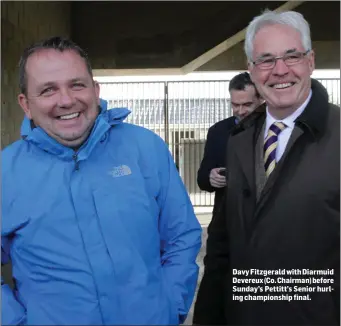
(282, 106)
(72, 141)
(240, 118)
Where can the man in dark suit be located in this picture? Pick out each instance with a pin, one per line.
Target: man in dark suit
(244, 99)
(281, 216)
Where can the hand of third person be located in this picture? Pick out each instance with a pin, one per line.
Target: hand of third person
(217, 180)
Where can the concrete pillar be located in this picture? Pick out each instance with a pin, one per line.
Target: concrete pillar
(23, 23)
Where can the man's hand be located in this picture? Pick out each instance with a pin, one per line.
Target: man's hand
(217, 180)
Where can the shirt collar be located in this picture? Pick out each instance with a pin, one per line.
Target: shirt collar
(288, 121)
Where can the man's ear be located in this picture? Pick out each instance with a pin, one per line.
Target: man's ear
(23, 102)
(250, 68)
(97, 90)
(311, 59)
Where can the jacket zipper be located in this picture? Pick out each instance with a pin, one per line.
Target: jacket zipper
(75, 157)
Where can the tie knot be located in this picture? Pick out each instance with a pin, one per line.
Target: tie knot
(277, 127)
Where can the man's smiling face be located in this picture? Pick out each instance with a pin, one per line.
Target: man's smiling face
(282, 87)
(62, 97)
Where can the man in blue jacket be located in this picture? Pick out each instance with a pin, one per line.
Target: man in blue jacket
(95, 218)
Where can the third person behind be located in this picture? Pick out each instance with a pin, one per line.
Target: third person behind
(211, 175)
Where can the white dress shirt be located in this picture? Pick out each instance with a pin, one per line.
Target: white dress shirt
(289, 121)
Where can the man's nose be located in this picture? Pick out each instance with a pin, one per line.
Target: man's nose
(280, 68)
(66, 98)
(241, 109)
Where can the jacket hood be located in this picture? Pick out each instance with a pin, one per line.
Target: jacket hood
(104, 121)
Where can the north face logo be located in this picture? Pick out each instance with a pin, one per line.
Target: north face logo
(120, 171)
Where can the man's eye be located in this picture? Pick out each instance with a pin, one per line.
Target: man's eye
(47, 91)
(268, 60)
(78, 85)
(293, 57)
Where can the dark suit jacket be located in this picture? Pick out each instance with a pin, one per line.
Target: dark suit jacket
(294, 225)
(214, 156)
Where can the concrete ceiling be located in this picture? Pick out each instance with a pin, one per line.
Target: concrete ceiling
(162, 34)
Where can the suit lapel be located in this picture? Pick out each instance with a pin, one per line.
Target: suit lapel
(296, 133)
(260, 176)
(244, 139)
(245, 151)
(245, 143)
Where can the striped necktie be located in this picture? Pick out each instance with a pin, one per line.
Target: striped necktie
(270, 145)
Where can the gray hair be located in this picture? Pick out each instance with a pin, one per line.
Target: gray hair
(289, 18)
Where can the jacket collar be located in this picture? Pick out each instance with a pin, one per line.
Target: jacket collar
(313, 118)
(105, 120)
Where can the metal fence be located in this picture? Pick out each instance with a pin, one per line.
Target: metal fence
(181, 113)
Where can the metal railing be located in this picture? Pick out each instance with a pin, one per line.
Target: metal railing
(181, 113)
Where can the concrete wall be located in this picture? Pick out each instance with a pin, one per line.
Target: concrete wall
(121, 38)
(156, 34)
(23, 23)
(327, 56)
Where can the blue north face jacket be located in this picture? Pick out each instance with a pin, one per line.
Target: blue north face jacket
(104, 236)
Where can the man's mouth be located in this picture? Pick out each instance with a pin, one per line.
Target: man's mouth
(69, 116)
(282, 85)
